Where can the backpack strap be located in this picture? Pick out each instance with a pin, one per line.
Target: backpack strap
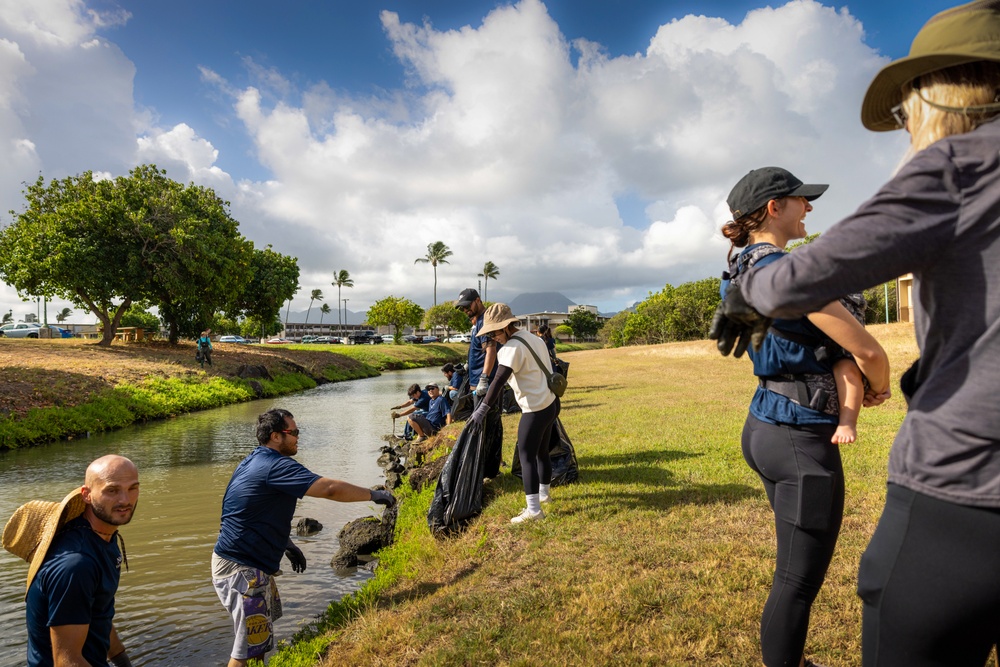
(548, 374)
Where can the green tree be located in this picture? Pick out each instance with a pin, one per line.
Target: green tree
(76, 240)
(583, 323)
(193, 255)
(8, 317)
(613, 331)
(341, 279)
(138, 316)
(875, 308)
(445, 316)
(563, 330)
(315, 295)
(490, 270)
(63, 314)
(274, 280)
(323, 310)
(395, 312)
(437, 253)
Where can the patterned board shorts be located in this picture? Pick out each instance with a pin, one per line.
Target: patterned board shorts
(252, 599)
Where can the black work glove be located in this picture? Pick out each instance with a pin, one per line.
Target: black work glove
(479, 414)
(296, 556)
(737, 323)
(380, 497)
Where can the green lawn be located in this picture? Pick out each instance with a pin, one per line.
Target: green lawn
(661, 554)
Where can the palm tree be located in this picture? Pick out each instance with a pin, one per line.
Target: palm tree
(63, 314)
(490, 270)
(323, 310)
(341, 279)
(437, 253)
(316, 295)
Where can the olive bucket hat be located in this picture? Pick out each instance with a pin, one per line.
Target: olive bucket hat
(31, 529)
(964, 34)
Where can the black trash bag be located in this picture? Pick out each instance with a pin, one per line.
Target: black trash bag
(462, 406)
(561, 366)
(459, 493)
(562, 455)
(509, 401)
(493, 441)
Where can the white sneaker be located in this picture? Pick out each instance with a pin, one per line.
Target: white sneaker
(542, 498)
(528, 515)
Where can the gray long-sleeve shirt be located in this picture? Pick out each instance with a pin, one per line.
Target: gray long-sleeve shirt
(938, 218)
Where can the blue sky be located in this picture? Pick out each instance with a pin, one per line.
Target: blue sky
(583, 146)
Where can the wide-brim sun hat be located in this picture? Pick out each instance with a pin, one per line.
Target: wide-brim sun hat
(31, 529)
(497, 317)
(964, 34)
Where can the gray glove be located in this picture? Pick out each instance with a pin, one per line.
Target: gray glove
(479, 414)
(484, 384)
(296, 556)
(737, 323)
(380, 497)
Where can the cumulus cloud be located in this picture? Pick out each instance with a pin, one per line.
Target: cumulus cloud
(509, 142)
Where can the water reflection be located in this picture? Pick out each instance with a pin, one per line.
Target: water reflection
(167, 611)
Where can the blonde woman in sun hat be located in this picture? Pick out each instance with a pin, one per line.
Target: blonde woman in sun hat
(74, 566)
(539, 406)
(930, 578)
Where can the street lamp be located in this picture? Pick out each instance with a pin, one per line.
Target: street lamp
(345, 310)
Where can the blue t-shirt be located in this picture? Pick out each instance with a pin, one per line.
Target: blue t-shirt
(423, 403)
(75, 585)
(436, 413)
(477, 354)
(258, 507)
(780, 356)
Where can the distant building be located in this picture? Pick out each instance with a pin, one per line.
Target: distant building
(904, 298)
(532, 321)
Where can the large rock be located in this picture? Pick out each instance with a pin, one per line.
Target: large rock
(248, 371)
(364, 536)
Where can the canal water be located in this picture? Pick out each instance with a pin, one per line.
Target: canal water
(167, 612)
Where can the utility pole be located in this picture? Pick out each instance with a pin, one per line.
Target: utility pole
(345, 310)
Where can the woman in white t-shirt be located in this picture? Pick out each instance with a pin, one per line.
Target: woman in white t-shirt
(539, 406)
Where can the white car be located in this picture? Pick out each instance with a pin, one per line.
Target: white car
(460, 338)
(20, 330)
(233, 339)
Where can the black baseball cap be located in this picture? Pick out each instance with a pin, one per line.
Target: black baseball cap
(466, 298)
(762, 185)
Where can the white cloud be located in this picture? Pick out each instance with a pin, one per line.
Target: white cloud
(508, 143)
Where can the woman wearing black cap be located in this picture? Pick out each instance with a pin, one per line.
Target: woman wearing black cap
(929, 580)
(787, 438)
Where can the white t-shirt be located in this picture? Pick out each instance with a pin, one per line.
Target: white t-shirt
(531, 388)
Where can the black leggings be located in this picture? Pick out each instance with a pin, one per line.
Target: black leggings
(804, 481)
(533, 434)
(930, 583)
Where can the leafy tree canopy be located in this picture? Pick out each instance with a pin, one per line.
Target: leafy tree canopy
(583, 323)
(395, 312)
(445, 316)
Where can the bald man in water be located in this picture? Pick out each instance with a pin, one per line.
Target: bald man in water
(71, 600)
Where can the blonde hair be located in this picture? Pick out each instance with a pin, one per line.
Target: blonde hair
(969, 91)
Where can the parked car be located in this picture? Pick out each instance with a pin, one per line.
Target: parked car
(309, 339)
(460, 338)
(20, 330)
(233, 339)
(388, 338)
(410, 338)
(327, 340)
(365, 338)
(59, 332)
(430, 339)
(278, 341)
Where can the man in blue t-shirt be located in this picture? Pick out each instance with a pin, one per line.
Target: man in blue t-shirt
(481, 368)
(73, 577)
(257, 512)
(437, 412)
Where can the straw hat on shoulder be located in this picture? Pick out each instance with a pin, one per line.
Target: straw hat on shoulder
(497, 317)
(31, 529)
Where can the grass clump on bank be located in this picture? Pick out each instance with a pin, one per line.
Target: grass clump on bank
(389, 357)
(661, 554)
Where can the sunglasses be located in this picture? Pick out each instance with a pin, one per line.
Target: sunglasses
(899, 115)
(493, 334)
(293, 431)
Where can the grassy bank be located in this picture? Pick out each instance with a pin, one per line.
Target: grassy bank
(52, 389)
(661, 554)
